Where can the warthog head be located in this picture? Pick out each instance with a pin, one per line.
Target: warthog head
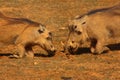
(44, 39)
(77, 34)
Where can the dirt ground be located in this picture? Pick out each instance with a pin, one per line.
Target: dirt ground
(55, 15)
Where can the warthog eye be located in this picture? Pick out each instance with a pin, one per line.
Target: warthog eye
(73, 41)
(78, 32)
(49, 38)
(40, 31)
(75, 26)
(50, 33)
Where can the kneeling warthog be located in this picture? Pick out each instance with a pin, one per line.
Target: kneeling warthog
(99, 27)
(24, 34)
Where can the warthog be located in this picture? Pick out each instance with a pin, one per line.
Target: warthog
(24, 34)
(99, 27)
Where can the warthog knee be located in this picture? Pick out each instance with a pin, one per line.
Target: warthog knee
(99, 50)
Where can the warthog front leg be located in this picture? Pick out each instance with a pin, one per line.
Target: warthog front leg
(93, 45)
(21, 51)
(98, 47)
(29, 52)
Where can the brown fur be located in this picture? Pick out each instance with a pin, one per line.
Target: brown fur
(24, 34)
(100, 27)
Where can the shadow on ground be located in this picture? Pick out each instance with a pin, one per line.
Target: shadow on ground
(86, 50)
(10, 55)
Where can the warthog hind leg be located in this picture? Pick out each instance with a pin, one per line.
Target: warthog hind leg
(20, 51)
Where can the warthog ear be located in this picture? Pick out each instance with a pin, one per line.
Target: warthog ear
(77, 17)
(84, 19)
(41, 29)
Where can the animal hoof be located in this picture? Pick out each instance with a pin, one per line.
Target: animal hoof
(14, 56)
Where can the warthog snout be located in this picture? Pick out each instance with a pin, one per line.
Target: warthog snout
(72, 46)
(51, 51)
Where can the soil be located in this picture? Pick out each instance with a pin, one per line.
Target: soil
(55, 14)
